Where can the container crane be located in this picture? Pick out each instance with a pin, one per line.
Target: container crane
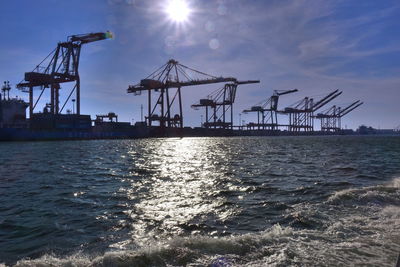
(301, 113)
(270, 106)
(220, 102)
(331, 119)
(347, 110)
(60, 66)
(162, 81)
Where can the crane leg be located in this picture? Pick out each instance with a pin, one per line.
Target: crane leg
(180, 108)
(52, 99)
(78, 96)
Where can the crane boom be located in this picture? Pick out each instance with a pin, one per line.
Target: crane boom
(284, 92)
(349, 107)
(247, 82)
(199, 82)
(90, 37)
(341, 114)
(150, 84)
(326, 100)
(326, 97)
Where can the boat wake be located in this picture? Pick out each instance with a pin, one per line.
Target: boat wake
(353, 226)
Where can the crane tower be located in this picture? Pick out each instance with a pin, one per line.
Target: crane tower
(60, 66)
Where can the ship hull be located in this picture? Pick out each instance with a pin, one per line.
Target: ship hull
(21, 134)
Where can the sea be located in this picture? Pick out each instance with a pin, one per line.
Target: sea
(237, 201)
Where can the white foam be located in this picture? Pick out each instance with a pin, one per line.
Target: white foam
(366, 191)
(352, 234)
(395, 183)
(76, 260)
(392, 212)
(278, 246)
(178, 249)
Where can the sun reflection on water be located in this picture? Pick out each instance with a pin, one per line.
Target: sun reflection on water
(182, 190)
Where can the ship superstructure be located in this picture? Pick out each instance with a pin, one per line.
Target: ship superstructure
(12, 110)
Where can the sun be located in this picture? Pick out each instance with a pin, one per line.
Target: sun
(177, 10)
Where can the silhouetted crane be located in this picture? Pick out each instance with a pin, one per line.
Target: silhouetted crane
(220, 102)
(270, 106)
(60, 66)
(301, 113)
(171, 75)
(331, 119)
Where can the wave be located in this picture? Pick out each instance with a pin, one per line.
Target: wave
(179, 251)
(377, 195)
(352, 227)
(278, 246)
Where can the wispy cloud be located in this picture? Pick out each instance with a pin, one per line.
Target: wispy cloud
(315, 46)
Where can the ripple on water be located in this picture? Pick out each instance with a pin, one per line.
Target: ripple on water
(253, 201)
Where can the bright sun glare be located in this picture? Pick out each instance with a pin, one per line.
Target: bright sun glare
(177, 10)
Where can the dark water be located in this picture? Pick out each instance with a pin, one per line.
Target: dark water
(279, 201)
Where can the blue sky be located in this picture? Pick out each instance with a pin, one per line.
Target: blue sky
(316, 46)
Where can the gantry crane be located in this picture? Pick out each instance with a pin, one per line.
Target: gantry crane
(270, 106)
(331, 119)
(221, 101)
(60, 66)
(162, 81)
(301, 113)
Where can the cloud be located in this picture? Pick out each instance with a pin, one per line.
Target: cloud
(315, 46)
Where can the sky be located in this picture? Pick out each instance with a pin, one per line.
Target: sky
(316, 46)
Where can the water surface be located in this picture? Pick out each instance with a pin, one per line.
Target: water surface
(201, 201)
